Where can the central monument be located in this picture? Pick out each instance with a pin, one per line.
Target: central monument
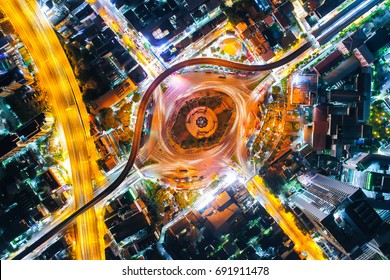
(201, 121)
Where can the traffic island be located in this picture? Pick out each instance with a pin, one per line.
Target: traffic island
(202, 122)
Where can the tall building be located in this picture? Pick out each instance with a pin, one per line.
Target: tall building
(14, 79)
(362, 161)
(369, 251)
(338, 210)
(368, 171)
(20, 138)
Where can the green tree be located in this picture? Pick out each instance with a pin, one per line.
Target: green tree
(162, 198)
(137, 96)
(123, 114)
(185, 199)
(126, 136)
(181, 200)
(276, 89)
(107, 119)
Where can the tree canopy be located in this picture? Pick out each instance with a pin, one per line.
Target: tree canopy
(107, 119)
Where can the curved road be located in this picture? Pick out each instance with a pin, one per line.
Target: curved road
(139, 125)
(140, 120)
(57, 77)
(182, 88)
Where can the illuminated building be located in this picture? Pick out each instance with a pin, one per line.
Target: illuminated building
(303, 88)
(20, 138)
(339, 209)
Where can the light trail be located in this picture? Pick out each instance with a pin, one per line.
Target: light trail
(274, 207)
(139, 127)
(56, 76)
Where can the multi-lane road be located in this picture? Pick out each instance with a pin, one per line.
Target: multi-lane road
(351, 13)
(206, 162)
(56, 76)
(303, 243)
(139, 127)
(143, 105)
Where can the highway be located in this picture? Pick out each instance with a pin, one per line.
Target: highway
(56, 76)
(327, 32)
(274, 207)
(140, 119)
(138, 131)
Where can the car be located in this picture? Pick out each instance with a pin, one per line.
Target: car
(222, 76)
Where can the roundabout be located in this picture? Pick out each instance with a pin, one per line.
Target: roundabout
(198, 127)
(138, 130)
(200, 121)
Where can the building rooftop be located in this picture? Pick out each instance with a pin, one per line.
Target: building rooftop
(366, 54)
(320, 127)
(13, 75)
(378, 40)
(220, 219)
(222, 199)
(378, 182)
(344, 96)
(327, 7)
(8, 143)
(51, 179)
(301, 88)
(346, 68)
(341, 190)
(309, 205)
(154, 18)
(329, 62)
(354, 41)
(282, 19)
(287, 39)
(363, 160)
(321, 195)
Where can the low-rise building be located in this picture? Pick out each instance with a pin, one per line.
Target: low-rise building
(52, 179)
(364, 55)
(254, 36)
(303, 88)
(352, 42)
(329, 62)
(21, 137)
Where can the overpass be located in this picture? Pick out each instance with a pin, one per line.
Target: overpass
(56, 76)
(138, 131)
(333, 26)
(143, 105)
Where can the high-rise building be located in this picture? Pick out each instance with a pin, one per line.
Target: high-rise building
(369, 251)
(368, 171)
(338, 210)
(29, 132)
(363, 161)
(322, 195)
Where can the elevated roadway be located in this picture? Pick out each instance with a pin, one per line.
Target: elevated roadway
(355, 10)
(141, 114)
(138, 131)
(56, 76)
